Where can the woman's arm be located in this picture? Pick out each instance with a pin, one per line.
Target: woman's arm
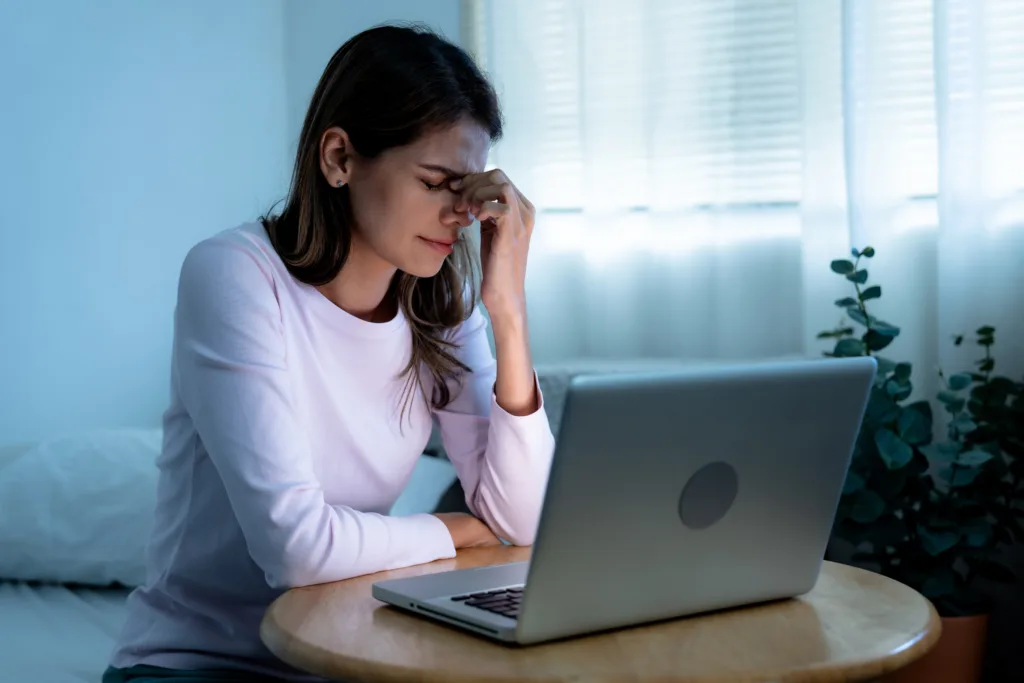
(502, 458)
(496, 432)
(515, 385)
(232, 376)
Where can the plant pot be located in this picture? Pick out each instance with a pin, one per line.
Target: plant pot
(958, 657)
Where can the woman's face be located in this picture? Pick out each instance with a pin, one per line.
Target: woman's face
(401, 201)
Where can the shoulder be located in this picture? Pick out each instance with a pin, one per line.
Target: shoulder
(243, 251)
(232, 266)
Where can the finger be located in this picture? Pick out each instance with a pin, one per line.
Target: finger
(472, 181)
(492, 211)
(475, 197)
(498, 177)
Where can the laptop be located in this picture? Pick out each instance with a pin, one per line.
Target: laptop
(670, 494)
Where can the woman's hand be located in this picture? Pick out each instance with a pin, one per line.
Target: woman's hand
(506, 223)
(467, 531)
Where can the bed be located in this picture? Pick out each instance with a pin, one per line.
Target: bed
(53, 633)
(73, 527)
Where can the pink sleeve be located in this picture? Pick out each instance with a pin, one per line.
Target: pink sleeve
(232, 376)
(502, 460)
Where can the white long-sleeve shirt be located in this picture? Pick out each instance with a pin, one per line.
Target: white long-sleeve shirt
(284, 449)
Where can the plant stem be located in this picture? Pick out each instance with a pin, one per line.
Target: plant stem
(861, 305)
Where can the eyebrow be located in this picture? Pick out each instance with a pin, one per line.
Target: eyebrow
(443, 169)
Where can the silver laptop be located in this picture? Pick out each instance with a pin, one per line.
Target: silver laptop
(670, 494)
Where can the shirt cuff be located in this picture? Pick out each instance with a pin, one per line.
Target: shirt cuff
(435, 535)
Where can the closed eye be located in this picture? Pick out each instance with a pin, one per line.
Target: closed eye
(433, 187)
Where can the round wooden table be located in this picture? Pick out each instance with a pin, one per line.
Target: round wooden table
(855, 625)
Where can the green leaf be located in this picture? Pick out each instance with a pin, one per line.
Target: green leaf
(947, 397)
(854, 482)
(868, 251)
(849, 348)
(893, 450)
(973, 458)
(857, 315)
(902, 371)
(899, 390)
(964, 425)
(877, 341)
(846, 301)
(860, 276)
(941, 453)
(881, 408)
(840, 332)
(957, 476)
(885, 366)
(978, 533)
(986, 365)
(885, 328)
(937, 542)
(994, 571)
(842, 266)
(986, 331)
(872, 292)
(915, 423)
(960, 380)
(867, 507)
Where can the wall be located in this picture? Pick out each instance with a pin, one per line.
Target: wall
(317, 28)
(130, 131)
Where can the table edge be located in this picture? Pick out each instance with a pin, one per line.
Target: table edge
(288, 649)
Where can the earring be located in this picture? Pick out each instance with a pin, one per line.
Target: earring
(341, 183)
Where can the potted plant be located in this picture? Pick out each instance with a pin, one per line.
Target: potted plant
(935, 515)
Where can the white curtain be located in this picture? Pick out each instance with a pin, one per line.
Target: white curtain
(697, 165)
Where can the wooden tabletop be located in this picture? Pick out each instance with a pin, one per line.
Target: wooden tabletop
(855, 625)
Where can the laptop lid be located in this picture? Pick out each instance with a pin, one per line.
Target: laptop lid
(693, 490)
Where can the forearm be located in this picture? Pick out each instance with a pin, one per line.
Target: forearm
(514, 388)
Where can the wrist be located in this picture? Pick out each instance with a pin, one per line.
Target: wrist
(509, 325)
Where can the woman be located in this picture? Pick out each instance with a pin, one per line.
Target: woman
(312, 351)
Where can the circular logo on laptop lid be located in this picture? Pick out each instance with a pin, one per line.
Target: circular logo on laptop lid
(708, 495)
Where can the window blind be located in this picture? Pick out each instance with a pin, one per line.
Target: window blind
(653, 103)
(667, 104)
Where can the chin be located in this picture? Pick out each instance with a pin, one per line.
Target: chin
(423, 267)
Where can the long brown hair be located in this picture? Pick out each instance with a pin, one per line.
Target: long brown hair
(386, 87)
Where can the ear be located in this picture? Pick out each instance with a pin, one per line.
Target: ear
(336, 156)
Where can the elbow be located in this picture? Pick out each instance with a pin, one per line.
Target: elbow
(286, 567)
(287, 575)
(522, 537)
(521, 531)
(515, 521)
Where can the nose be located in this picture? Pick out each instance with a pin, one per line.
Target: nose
(450, 216)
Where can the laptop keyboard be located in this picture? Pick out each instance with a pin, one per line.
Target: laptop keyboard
(503, 601)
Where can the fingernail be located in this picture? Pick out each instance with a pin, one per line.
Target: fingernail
(455, 184)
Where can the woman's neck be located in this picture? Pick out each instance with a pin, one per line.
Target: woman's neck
(361, 287)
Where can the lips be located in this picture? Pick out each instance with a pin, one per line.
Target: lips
(443, 246)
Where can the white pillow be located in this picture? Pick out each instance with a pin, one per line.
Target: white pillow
(78, 509)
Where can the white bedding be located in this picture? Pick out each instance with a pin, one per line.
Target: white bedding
(55, 633)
